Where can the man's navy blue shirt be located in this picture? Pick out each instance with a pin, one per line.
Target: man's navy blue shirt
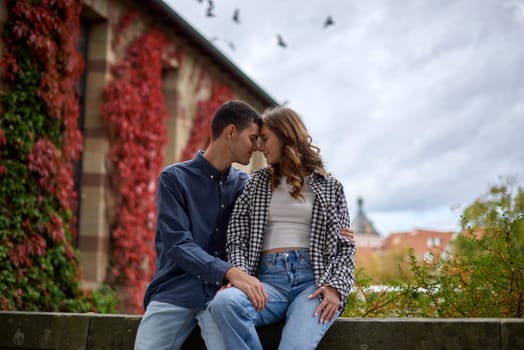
(194, 204)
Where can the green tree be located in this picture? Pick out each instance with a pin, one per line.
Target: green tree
(490, 251)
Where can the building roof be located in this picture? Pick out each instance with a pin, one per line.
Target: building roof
(361, 224)
(422, 241)
(168, 16)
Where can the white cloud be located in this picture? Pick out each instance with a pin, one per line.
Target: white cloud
(417, 106)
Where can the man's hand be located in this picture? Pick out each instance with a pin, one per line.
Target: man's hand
(348, 233)
(329, 305)
(249, 285)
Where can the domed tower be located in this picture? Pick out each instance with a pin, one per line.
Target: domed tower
(365, 233)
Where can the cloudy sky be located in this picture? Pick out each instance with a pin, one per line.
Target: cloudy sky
(417, 106)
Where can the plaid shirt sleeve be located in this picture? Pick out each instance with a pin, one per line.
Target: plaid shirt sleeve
(238, 231)
(342, 266)
(245, 233)
(333, 256)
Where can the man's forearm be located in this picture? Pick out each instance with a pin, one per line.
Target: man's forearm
(249, 285)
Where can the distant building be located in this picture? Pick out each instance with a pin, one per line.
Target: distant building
(367, 239)
(373, 248)
(365, 233)
(427, 244)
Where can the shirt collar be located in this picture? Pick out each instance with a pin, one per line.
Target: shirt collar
(209, 170)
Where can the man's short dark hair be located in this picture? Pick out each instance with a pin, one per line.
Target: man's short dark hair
(238, 113)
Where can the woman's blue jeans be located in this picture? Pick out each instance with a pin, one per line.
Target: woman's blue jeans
(288, 280)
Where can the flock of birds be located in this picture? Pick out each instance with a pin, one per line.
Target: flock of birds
(210, 12)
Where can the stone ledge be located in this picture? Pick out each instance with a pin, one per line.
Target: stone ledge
(35, 330)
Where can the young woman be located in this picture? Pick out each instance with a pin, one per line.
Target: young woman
(286, 230)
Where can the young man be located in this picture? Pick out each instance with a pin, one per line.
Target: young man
(195, 200)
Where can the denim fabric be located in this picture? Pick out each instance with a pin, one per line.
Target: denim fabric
(288, 280)
(166, 326)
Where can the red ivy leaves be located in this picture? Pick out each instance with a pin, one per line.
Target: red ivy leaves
(20, 254)
(50, 30)
(136, 113)
(56, 176)
(44, 159)
(124, 24)
(55, 229)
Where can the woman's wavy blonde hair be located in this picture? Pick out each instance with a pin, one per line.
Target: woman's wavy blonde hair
(298, 153)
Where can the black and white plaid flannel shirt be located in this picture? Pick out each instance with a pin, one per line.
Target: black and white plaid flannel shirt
(332, 255)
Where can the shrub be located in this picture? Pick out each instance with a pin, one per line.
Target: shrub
(482, 276)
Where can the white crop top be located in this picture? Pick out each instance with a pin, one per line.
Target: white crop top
(289, 221)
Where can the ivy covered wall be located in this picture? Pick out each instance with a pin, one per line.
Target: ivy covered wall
(40, 140)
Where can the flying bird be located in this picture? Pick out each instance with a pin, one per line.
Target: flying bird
(236, 16)
(231, 45)
(328, 22)
(210, 8)
(281, 41)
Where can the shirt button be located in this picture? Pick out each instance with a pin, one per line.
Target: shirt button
(211, 176)
(222, 205)
(218, 283)
(216, 229)
(198, 276)
(216, 253)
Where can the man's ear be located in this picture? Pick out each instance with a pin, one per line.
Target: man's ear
(230, 131)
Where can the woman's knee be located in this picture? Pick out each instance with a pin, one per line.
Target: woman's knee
(228, 300)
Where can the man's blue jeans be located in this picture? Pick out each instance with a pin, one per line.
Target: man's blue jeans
(288, 279)
(166, 326)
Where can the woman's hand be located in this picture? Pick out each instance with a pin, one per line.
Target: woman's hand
(348, 233)
(329, 305)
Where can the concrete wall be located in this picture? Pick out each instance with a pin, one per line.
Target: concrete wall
(28, 330)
